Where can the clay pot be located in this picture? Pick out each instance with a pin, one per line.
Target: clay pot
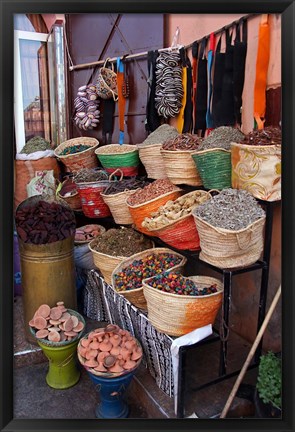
(115, 340)
(105, 345)
(125, 353)
(129, 364)
(94, 345)
(116, 367)
(130, 344)
(112, 328)
(115, 350)
(100, 368)
(109, 361)
(136, 354)
(91, 363)
(101, 356)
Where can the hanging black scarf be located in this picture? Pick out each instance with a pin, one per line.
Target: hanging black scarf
(217, 84)
(108, 120)
(227, 117)
(153, 120)
(240, 52)
(202, 89)
(188, 110)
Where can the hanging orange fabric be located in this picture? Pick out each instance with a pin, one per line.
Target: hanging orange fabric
(262, 61)
(121, 99)
(180, 117)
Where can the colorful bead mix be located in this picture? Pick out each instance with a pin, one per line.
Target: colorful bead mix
(131, 276)
(177, 284)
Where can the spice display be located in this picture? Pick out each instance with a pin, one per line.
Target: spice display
(260, 137)
(74, 149)
(56, 324)
(45, 222)
(174, 210)
(151, 191)
(169, 89)
(121, 242)
(35, 144)
(124, 185)
(88, 232)
(161, 134)
(232, 209)
(184, 141)
(221, 137)
(173, 283)
(109, 349)
(86, 175)
(131, 276)
(86, 107)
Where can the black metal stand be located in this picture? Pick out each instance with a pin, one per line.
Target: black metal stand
(227, 285)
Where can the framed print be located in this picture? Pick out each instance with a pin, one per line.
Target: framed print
(114, 73)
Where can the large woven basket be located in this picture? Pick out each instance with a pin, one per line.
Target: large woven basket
(214, 166)
(140, 211)
(151, 157)
(136, 296)
(84, 159)
(93, 205)
(112, 157)
(74, 201)
(182, 233)
(117, 204)
(105, 263)
(177, 315)
(257, 169)
(180, 167)
(225, 248)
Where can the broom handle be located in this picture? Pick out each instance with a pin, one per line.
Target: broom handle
(251, 353)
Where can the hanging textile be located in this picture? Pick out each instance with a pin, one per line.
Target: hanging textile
(180, 117)
(108, 120)
(188, 111)
(121, 98)
(262, 61)
(195, 50)
(240, 52)
(227, 114)
(217, 84)
(201, 92)
(209, 120)
(153, 120)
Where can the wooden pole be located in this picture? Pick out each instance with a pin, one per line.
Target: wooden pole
(251, 353)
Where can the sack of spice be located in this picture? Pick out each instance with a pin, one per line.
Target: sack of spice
(256, 163)
(230, 226)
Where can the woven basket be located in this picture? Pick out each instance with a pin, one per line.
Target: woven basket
(127, 161)
(214, 166)
(151, 157)
(105, 263)
(106, 86)
(93, 205)
(257, 169)
(136, 296)
(227, 248)
(74, 201)
(140, 211)
(180, 167)
(182, 233)
(177, 315)
(84, 159)
(117, 204)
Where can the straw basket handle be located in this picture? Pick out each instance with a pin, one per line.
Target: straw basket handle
(112, 65)
(246, 243)
(113, 173)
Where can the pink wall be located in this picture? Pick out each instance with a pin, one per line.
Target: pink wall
(51, 18)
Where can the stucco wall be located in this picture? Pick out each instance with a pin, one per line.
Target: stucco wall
(245, 290)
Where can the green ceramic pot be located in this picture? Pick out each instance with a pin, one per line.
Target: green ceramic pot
(63, 371)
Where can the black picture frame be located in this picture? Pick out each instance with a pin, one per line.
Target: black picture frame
(10, 7)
